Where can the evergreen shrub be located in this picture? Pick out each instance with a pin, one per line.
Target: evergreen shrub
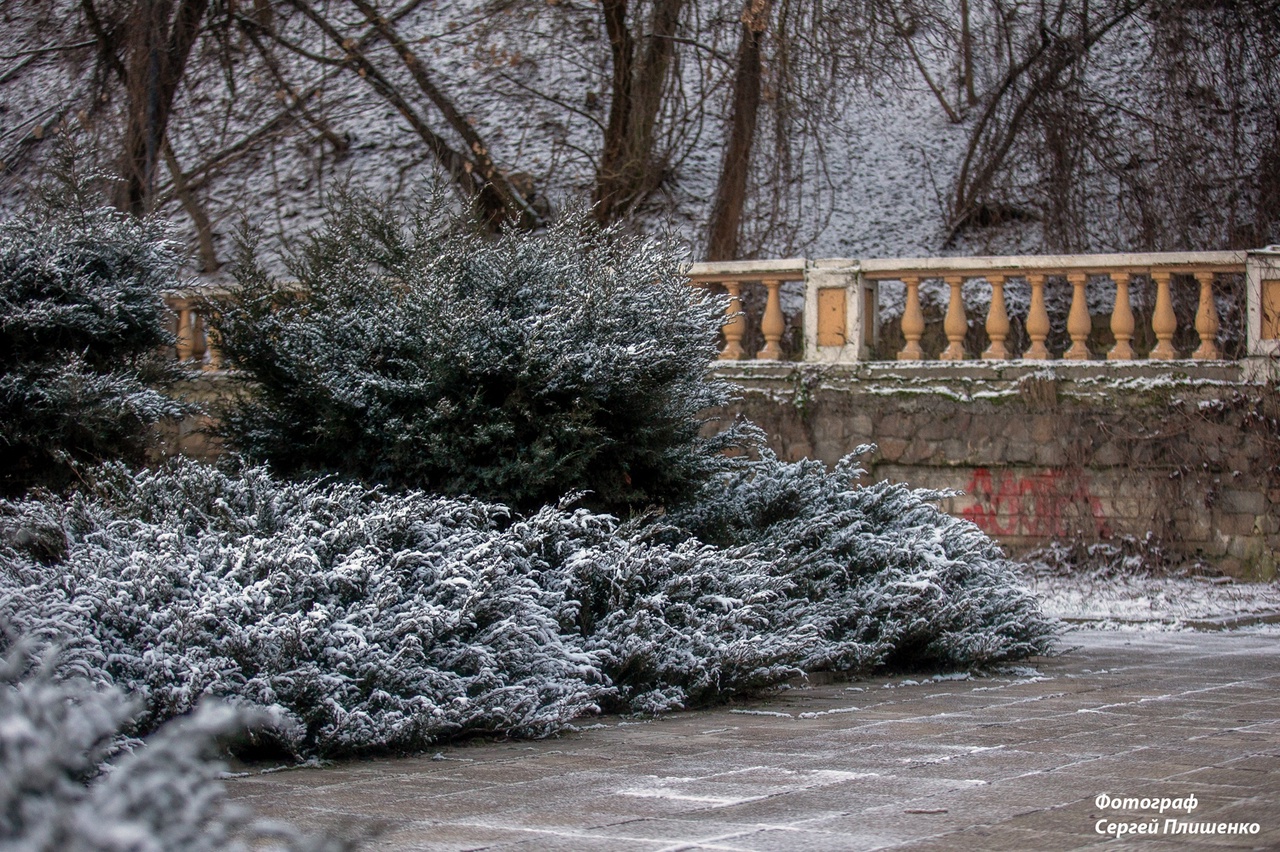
(882, 572)
(412, 350)
(370, 621)
(82, 324)
(421, 354)
(71, 779)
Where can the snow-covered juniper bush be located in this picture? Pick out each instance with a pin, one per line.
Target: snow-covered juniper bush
(66, 785)
(409, 349)
(81, 326)
(373, 621)
(882, 572)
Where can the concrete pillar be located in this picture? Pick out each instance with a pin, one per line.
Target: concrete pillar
(841, 312)
(1262, 291)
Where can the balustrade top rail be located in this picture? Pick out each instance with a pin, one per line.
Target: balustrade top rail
(1015, 266)
(841, 316)
(791, 269)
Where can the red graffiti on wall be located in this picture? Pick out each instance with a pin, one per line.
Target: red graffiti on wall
(1052, 504)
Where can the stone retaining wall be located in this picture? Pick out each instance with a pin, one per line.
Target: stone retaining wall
(1186, 453)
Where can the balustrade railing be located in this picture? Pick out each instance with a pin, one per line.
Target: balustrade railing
(192, 341)
(734, 277)
(842, 311)
(1077, 270)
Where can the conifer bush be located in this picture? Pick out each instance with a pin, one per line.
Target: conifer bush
(410, 349)
(382, 609)
(72, 780)
(81, 327)
(370, 621)
(884, 576)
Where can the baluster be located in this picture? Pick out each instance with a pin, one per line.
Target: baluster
(997, 321)
(1078, 323)
(1037, 321)
(199, 337)
(912, 321)
(1207, 320)
(214, 361)
(1163, 321)
(1122, 321)
(736, 327)
(955, 324)
(772, 324)
(184, 343)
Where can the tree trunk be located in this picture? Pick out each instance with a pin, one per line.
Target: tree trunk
(157, 47)
(498, 200)
(622, 48)
(731, 190)
(629, 169)
(199, 218)
(966, 55)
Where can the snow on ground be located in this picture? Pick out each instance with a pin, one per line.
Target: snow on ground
(1133, 602)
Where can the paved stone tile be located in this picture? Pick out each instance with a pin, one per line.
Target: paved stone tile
(1012, 761)
(451, 837)
(802, 840)
(674, 831)
(996, 839)
(470, 837)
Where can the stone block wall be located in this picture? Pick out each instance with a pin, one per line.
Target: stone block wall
(1188, 453)
(1185, 453)
(193, 435)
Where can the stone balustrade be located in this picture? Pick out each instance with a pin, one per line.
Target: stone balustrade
(733, 276)
(841, 305)
(1075, 271)
(192, 342)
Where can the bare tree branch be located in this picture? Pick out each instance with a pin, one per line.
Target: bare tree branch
(499, 201)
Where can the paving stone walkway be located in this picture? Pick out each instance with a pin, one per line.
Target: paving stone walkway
(1014, 761)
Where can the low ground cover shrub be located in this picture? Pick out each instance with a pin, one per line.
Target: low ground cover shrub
(411, 350)
(365, 612)
(886, 577)
(67, 785)
(81, 326)
(372, 621)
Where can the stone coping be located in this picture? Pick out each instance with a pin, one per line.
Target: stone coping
(1228, 372)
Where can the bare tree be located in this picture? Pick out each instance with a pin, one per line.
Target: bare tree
(1169, 151)
(630, 169)
(147, 45)
(1045, 51)
(1096, 124)
(798, 66)
(731, 188)
(470, 166)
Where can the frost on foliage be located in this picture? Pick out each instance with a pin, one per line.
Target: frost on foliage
(367, 621)
(81, 323)
(683, 624)
(879, 574)
(514, 368)
(56, 794)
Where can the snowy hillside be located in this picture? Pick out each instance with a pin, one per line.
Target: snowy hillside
(1156, 131)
